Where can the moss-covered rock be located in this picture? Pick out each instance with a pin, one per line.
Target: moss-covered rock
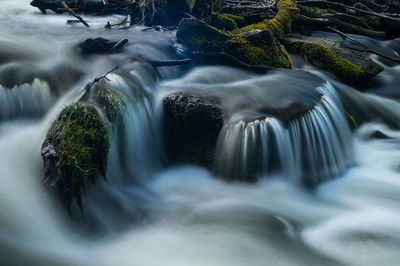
(111, 101)
(75, 148)
(239, 20)
(199, 36)
(222, 22)
(329, 60)
(253, 48)
(259, 48)
(281, 23)
(313, 47)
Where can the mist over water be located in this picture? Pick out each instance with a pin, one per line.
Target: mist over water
(149, 214)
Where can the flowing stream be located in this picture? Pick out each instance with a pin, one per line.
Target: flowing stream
(150, 214)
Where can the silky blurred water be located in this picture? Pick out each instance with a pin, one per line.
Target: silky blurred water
(181, 215)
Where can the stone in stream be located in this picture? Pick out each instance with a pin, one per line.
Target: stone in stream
(274, 123)
(192, 125)
(76, 147)
(195, 118)
(101, 46)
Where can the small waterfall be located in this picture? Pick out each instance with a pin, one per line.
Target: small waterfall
(309, 149)
(133, 146)
(25, 100)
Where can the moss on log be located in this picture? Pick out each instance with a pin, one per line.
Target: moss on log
(281, 23)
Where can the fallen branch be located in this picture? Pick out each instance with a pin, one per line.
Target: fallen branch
(365, 48)
(72, 12)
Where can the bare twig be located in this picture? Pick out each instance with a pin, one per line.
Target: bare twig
(72, 12)
(122, 22)
(88, 86)
(365, 48)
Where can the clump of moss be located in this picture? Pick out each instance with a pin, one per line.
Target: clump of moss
(111, 101)
(325, 58)
(222, 22)
(282, 21)
(239, 20)
(272, 54)
(200, 36)
(80, 140)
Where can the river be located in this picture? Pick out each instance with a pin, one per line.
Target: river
(149, 214)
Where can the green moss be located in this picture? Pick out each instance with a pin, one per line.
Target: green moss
(239, 20)
(273, 55)
(260, 50)
(111, 102)
(80, 140)
(200, 36)
(282, 21)
(323, 57)
(222, 22)
(352, 120)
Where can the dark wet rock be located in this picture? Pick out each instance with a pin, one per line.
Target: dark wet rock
(101, 46)
(377, 134)
(192, 125)
(202, 9)
(45, 5)
(74, 152)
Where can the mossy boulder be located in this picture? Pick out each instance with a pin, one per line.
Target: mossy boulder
(222, 22)
(192, 124)
(253, 48)
(349, 66)
(75, 150)
(199, 36)
(281, 23)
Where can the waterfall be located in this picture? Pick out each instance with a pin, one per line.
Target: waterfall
(25, 100)
(133, 140)
(310, 149)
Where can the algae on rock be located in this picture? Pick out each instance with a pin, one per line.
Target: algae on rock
(76, 147)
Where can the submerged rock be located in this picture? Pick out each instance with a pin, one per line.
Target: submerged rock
(192, 125)
(75, 149)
